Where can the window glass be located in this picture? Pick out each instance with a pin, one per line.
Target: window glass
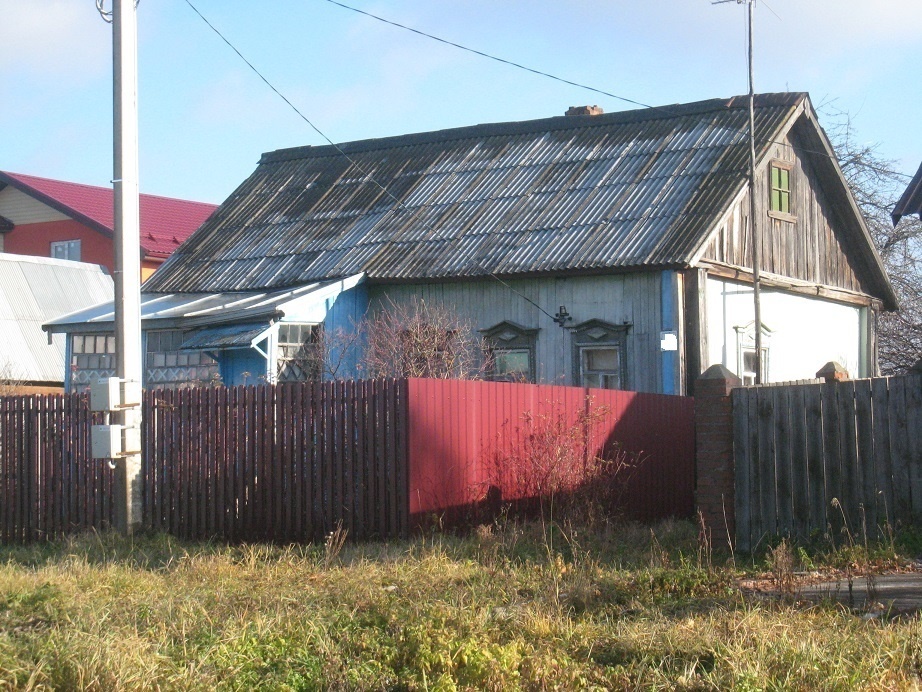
(297, 359)
(780, 189)
(66, 249)
(513, 365)
(600, 367)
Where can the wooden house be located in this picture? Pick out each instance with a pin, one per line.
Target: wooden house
(54, 218)
(608, 250)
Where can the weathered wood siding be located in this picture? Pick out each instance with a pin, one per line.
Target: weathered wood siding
(842, 458)
(632, 298)
(808, 248)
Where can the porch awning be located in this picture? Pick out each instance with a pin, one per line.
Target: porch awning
(226, 337)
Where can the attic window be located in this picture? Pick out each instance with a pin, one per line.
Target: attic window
(780, 202)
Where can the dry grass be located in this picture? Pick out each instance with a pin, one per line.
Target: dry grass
(623, 608)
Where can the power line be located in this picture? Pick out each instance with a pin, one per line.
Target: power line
(663, 109)
(489, 56)
(399, 203)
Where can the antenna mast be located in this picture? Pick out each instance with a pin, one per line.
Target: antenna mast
(754, 227)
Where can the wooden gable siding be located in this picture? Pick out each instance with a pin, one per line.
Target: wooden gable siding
(809, 248)
(632, 298)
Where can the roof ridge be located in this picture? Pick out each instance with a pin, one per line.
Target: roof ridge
(26, 177)
(553, 123)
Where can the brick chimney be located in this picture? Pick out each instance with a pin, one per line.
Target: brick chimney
(584, 110)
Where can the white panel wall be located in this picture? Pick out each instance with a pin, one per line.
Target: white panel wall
(22, 209)
(806, 333)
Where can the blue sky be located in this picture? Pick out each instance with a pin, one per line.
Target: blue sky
(205, 118)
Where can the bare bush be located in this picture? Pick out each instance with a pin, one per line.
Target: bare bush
(421, 339)
(551, 458)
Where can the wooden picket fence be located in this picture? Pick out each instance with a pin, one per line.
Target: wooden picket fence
(827, 458)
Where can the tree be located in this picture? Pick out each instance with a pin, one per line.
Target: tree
(877, 185)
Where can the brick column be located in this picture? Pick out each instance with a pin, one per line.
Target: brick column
(714, 475)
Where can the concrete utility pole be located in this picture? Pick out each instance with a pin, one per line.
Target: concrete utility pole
(127, 250)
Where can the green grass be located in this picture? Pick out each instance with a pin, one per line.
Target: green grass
(515, 606)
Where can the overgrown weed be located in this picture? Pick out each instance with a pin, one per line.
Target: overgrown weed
(626, 606)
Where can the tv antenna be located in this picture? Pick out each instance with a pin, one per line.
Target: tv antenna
(756, 236)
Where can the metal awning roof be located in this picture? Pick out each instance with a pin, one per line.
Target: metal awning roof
(189, 310)
(226, 337)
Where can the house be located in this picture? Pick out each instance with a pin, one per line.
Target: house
(53, 218)
(34, 290)
(911, 201)
(594, 249)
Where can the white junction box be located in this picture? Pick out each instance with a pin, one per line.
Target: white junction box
(113, 394)
(106, 441)
(105, 394)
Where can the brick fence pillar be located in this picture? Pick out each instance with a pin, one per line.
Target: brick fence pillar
(714, 476)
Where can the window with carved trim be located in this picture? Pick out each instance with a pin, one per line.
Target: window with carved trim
(511, 350)
(599, 354)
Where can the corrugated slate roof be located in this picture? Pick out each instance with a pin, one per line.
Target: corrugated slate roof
(165, 222)
(34, 290)
(911, 201)
(630, 189)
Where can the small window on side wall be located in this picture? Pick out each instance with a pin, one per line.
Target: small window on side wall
(780, 190)
(66, 249)
(599, 355)
(512, 352)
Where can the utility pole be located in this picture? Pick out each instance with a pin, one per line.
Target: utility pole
(128, 492)
(753, 225)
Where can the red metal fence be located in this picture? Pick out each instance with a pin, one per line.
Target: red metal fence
(290, 462)
(459, 428)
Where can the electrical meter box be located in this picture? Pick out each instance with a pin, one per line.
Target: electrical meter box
(112, 394)
(106, 441)
(105, 394)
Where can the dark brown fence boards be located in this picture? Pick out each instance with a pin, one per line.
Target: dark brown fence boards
(827, 457)
(274, 463)
(47, 485)
(280, 463)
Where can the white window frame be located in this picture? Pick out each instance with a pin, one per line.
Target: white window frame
(66, 250)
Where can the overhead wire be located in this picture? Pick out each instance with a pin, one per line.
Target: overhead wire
(399, 203)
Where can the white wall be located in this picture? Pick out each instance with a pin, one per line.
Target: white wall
(806, 333)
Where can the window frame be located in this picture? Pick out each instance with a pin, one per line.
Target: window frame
(597, 334)
(68, 246)
(304, 351)
(785, 194)
(510, 337)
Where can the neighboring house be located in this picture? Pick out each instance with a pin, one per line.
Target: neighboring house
(631, 229)
(34, 290)
(53, 218)
(911, 201)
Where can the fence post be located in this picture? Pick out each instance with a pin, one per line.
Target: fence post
(714, 475)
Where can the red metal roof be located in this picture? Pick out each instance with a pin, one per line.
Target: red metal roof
(165, 222)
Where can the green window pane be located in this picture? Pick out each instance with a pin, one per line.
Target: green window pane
(785, 181)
